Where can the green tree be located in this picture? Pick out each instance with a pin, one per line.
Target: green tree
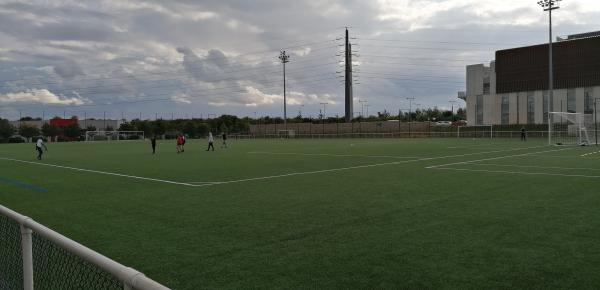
(6, 129)
(202, 129)
(72, 131)
(190, 129)
(159, 127)
(28, 131)
(126, 126)
(50, 130)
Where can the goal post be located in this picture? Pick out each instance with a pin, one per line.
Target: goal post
(570, 128)
(475, 131)
(113, 135)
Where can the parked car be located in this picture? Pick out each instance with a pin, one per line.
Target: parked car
(17, 139)
(443, 123)
(459, 123)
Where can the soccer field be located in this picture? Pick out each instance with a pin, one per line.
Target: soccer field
(328, 213)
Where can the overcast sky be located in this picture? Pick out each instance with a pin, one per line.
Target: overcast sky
(195, 58)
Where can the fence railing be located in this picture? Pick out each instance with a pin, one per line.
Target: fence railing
(418, 134)
(34, 256)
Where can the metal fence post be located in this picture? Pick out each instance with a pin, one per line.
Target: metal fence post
(26, 245)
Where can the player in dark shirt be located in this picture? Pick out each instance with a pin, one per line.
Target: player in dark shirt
(224, 137)
(153, 143)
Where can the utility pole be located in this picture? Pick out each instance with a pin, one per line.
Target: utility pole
(104, 120)
(349, 94)
(284, 59)
(452, 116)
(595, 119)
(367, 107)
(324, 113)
(549, 5)
(362, 108)
(409, 114)
(323, 116)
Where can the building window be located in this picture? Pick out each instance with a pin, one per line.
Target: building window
(588, 106)
(486, 88)
(545, 96)
(479, 110)
(504, 110)
(571, 101)
(530, 108)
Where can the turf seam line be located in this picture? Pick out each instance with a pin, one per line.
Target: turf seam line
(98, 171)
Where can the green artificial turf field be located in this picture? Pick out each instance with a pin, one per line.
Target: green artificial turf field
(330, 213)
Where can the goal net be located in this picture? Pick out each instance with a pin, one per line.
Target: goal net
(475, 131)
(113, 135)
(570, 128)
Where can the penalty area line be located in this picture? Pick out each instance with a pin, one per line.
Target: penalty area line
(356, 167)
(494, 158)
(97, 171)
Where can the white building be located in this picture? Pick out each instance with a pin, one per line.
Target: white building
(513, 89)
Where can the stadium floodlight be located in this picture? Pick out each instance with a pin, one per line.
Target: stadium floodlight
(596, 119)
(285, 58)
(549, 5)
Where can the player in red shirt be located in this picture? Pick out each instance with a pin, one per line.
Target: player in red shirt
(179, 143)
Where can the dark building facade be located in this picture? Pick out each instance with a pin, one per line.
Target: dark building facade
(576, 64)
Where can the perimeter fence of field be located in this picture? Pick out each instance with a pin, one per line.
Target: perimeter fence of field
(390, 129)
(33, 256)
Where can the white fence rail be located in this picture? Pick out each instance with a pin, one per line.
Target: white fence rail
(41, 248)
(486, 134)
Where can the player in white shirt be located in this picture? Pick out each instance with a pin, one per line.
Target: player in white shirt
(38, 146)
(211, 139)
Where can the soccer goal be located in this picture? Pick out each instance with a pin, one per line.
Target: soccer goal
(475, 131)
(113, 135)
(570, 128)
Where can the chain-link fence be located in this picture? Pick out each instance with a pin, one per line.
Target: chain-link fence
(55, 268)
(11, 262)
(33, 256)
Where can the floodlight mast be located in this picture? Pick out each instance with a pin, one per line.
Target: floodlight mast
(284, 59)
(549, 5)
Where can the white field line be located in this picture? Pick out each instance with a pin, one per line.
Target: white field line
(495, 158)
(204, 183)
(475, 146)
(332, 155)
(97, 171)
(352, 167)
(517, 172)
(296, 173)
(537, 167)
(591, 153)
